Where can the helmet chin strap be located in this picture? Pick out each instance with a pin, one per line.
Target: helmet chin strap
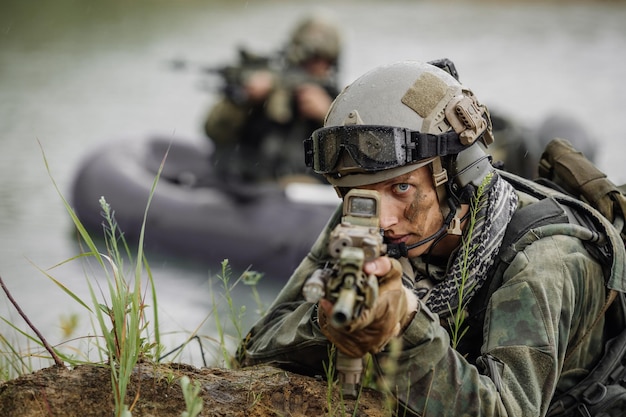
(451, 225)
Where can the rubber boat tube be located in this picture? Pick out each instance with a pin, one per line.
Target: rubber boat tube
(192, 215)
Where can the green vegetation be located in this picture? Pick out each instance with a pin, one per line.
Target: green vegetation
(457, 330)
(125, 316)
(127, 333)
(235, 316)
(193, 403)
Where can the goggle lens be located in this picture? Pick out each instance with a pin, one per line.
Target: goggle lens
(371, 147)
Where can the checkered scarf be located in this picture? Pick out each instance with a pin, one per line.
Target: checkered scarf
(439, 289)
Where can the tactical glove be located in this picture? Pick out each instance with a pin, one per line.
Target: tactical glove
(391, 313)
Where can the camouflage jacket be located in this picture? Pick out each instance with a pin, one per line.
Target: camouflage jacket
(250, 146)
(537, 338)
(261, 142)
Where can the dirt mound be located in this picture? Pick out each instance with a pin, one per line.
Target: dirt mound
(86, 391)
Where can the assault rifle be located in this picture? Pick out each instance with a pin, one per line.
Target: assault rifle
(287, 76)
(356, 240)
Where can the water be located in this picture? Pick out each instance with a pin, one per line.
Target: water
(74, 75)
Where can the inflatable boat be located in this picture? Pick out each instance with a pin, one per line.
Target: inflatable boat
(192, 215)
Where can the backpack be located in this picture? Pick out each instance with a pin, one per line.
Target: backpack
(571, 189)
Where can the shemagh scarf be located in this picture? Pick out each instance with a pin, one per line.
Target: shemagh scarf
(439, 289)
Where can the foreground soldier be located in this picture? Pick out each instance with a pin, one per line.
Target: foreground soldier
(414, 134)
(258, 131)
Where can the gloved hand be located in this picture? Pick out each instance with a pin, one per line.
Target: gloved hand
(391, 313)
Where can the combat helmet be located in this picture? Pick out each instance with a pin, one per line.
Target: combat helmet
(316, 36)
(397, 118)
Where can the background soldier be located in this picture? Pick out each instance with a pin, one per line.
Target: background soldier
(271, 104)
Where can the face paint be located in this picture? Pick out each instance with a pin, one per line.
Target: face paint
(413, 209)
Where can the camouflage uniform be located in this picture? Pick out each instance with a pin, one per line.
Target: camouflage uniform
(537, 339)
(260, 142)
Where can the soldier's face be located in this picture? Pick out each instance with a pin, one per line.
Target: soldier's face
(409, 209)
(317, 67)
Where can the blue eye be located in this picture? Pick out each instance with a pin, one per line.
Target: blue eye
(401, 188)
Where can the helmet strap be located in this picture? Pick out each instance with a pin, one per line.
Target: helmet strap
(446, 198)
(440, 179)
(454, 228)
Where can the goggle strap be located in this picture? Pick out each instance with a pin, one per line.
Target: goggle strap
(421, 146)
(309, 156)
(429, 145)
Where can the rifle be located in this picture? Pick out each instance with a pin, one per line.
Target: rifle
(355, 240)
(287, 76)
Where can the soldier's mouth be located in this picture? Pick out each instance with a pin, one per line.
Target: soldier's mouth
(397, 239)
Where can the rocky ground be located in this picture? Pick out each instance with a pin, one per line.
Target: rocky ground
(86, 391)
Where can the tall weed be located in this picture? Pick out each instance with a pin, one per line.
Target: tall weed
(121, 318)
(457, 319)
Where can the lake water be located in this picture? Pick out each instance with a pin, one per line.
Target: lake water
(74, 75)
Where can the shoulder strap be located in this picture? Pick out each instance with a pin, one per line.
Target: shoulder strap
(554, 213)
(542, 213)
(525, 219)
(606, 244)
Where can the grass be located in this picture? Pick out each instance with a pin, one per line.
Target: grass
(119, 309)
(11, 361)
(193, 403)
(121, 320)
(457, 319)
(121, 317)
(236, 316)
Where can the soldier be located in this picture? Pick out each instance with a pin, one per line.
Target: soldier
(473, 333)
(258, 133)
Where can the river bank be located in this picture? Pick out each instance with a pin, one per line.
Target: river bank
(254, 392)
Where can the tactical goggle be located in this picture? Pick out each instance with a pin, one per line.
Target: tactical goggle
(375, 148)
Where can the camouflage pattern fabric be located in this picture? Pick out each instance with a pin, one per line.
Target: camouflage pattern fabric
(538, 338)
(260, 142)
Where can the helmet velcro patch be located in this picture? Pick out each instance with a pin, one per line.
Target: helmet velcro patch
(425, 93)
